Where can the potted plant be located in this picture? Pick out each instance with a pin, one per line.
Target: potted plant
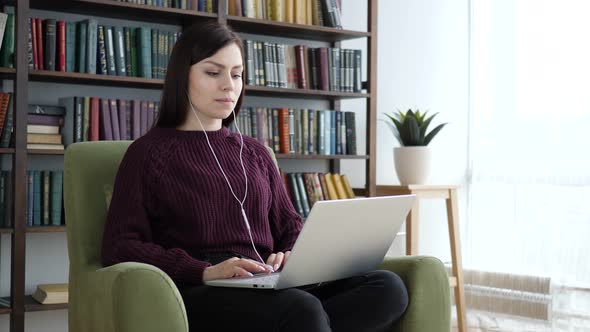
(412, 158)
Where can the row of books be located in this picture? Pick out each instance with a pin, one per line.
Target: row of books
(311, 12)
(299, 66)
(109, 119)
(44, 198)
(81, 119)
(87, 47)
(5, 198)
(7, 28)
(300, 131)
(304, 189)
(209, 6)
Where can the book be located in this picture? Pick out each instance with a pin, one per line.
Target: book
(4, 101)
(3, 205)
(46, 109)
(37, 198)
(30, 196)
(347, 187)
(3, 19)
(8, 43)
(303, 194)
(60, 61)
(68, 119)
(51, 293)
(56, 198)
(42, 129)
(81, 37)
(331, 187)
(70, 46)
(49, 28)
(46, 194)
(324, 185)
(294, 187)
(339, 186)
(92, 44)
(37, 146)
(44, 138)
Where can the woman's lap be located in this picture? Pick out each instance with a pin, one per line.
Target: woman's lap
(370, 302)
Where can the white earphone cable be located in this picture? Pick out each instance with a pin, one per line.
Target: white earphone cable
(241, 202)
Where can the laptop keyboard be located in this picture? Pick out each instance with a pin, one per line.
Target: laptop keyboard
(269, 279)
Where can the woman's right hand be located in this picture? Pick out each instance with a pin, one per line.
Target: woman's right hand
(235, 267)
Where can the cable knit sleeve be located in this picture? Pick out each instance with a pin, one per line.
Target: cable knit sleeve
(128, 232)
(285, 222)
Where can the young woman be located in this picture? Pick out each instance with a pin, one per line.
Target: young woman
(186, 190)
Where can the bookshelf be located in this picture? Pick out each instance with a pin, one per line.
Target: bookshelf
(20, 302)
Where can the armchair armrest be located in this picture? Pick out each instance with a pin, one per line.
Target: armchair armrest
(144, 298)
(428, 287)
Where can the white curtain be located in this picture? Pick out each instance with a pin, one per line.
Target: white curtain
(529, 181)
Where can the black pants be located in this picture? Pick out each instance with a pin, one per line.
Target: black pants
(371, 302)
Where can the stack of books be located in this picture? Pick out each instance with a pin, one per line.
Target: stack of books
(51, 293)
(44, 125)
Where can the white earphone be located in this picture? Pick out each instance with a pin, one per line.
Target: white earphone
(241, 202)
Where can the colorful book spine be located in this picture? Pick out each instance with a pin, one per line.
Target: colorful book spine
(56, 178)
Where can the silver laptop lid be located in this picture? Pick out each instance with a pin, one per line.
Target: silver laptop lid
(342, 238)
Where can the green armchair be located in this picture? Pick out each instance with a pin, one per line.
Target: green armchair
(134, 297)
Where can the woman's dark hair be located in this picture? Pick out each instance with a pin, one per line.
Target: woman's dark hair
(196, 43)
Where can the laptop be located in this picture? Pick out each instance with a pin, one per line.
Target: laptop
(340, 239)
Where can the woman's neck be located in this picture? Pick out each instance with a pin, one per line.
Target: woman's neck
(192, 124)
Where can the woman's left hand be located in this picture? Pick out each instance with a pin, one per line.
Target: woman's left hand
(278, 260)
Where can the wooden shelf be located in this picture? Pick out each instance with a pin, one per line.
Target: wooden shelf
(152, 83)
(252, 90)
(124, 10)
(45, 152)
(95, 79)
(7, 231)
(7, 73)
(291, 30)
(6, 150)
(32, 305)
(46, 229)
(316, 156)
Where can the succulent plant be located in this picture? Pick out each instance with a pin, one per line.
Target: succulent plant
(410, 127)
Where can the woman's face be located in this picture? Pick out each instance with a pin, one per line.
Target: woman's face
(215, 83)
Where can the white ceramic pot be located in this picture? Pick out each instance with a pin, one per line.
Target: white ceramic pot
(412, 164)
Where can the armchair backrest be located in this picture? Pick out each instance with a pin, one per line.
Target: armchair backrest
(89, 174)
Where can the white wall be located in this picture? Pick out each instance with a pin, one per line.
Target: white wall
(423, 63)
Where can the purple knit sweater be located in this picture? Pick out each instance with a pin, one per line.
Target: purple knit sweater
(171, 204)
